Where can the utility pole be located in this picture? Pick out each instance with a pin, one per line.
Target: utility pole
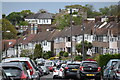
(71, 33)
(83, 52)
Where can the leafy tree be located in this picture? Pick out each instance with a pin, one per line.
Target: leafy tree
(110, 11)
(87, 45)
(104, 10)
(7, 26)
(64, 21)
(38, 51)
(25, 53)
(16, 17)
(23, 23)
(42, 11)
(48, 54)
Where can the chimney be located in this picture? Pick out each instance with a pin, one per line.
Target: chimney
(60, 10)
(97, 19)
(111, 18)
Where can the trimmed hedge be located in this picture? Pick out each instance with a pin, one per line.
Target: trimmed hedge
(103, 59)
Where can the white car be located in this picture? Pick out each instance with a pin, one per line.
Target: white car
(61, 71)
(56, 72)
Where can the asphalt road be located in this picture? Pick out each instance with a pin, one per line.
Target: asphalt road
(50, 77)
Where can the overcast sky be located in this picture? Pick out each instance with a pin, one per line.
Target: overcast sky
(53, 7)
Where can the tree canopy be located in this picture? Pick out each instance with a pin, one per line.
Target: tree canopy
(7, 26)
(16, 17)
(87, 45)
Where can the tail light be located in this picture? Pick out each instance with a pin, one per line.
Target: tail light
(23, 76)
(118, 71)
(50, 68)
(81, 68)
(99, 69)
(66, 67)
(60, 69)
(55, 71)
(30, 68)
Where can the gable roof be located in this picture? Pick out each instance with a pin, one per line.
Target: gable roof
(28, 39)
(40, 16)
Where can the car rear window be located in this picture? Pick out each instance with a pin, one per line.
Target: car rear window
(12, 71)
(73, 65)
(91, 64)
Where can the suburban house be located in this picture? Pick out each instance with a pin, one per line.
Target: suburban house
(106, 37)
(8, 48)
(62, 42)
(39, 22)
(45, 39)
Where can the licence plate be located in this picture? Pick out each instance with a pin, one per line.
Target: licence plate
(90, 74)
(75, 69)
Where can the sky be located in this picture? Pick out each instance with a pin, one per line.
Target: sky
(52, 7)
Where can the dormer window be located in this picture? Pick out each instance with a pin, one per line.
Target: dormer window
(10, 43)
(24, 38)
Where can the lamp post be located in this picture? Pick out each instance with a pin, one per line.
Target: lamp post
(83, 52)
(71, 34)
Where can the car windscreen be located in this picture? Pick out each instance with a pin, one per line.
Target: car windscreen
(48, 63)
(89, 64)
(12, 71)
(73, 66)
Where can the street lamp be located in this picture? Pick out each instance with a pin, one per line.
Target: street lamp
(83, 52)
(71, 33)
(1, 32)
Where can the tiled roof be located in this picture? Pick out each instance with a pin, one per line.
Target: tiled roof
(8, 43)
(46, 35)
(28, 38)
(40, 16)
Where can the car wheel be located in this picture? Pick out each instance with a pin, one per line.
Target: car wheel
(98, 78)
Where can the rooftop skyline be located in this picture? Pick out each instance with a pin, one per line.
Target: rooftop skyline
(52, 7)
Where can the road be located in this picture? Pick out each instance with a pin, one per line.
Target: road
(50, 77)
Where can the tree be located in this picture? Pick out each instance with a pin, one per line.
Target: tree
(7, 26)
(25, 53)
(16, 17)
(87, 45)
(38, 51)
(42, 11)
(48, 54)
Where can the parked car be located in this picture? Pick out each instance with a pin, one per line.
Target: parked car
(89, 70)
(108, 67)
(17, 71)
(71, 70)
(3, 76)
(49, 65)
(56, 72)
(32, 70)
(115, 72)
(45, 70)
(62, 71)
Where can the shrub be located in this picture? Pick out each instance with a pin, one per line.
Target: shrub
(65, 54)
(78, 58)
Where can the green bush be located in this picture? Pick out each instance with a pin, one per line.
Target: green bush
(78, 58)
(65, 54)
(103, 59)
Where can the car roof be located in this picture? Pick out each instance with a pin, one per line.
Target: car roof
(14, 59)
(88, 61)
(114, 59)
(17, 65)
